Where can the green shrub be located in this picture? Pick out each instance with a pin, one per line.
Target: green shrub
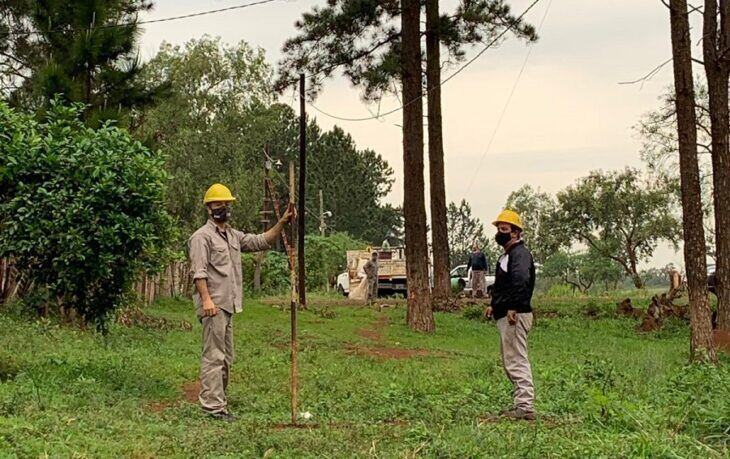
(473, 312)
(274, 272)
(82, 209)
(326, 257)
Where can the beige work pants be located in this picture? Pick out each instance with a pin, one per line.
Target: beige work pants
(478, 281)
(372, 289)
(215, 364)
(513, 344)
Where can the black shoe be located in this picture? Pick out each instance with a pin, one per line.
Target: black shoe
(223, 416)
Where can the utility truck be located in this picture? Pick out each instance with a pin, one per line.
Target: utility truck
(391, 270)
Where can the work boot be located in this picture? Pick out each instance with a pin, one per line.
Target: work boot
(518, 414)
(224, 416)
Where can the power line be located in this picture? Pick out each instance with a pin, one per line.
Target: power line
(447, 79)
(506, 104)
(151, 21)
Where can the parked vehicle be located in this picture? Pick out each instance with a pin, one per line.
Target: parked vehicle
(391, 270)
(461, 280)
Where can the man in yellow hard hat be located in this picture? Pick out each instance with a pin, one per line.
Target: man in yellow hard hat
(215, 262)
(512, 309)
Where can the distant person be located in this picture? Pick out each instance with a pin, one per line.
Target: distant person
(511, 308)
(479, 269)
(371, 270)
(215, 262)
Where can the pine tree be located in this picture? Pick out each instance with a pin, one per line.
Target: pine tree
(364, 38)
(694, 234)
(84, 50)
(715, 43)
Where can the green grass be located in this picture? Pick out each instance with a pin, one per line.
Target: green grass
(603, 389)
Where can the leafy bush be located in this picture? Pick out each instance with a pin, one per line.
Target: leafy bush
(82, 209)
(326, 257)
(274, 272)
(474, 312)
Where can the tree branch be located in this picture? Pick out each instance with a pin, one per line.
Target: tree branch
(649, 75)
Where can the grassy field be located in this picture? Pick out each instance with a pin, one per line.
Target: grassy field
(374, 388)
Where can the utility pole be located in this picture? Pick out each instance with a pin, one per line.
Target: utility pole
(321, 213)
(302, 180)
(265, 220)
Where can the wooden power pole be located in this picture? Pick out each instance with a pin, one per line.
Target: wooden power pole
(266, 213)
(302, 183)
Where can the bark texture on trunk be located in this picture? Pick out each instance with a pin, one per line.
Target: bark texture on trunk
(420, 315)
(439, 231)
(701, 346)
(716, 41)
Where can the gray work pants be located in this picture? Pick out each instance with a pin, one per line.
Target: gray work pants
(215, 364)
(513, 344)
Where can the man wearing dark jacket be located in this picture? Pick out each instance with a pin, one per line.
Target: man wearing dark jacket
(511, 308)
(479, 268)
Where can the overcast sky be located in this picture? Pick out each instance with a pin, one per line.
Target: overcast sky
(568, 115)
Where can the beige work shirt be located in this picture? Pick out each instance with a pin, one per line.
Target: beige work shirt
(371, 269)
(215, 255)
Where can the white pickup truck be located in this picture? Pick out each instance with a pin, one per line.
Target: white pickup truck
(461, 279)
(391, 270)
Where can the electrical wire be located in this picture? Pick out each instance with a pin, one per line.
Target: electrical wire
(151, 21)
(443, 82)
(506, 104)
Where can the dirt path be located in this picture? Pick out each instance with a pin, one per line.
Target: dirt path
(332, 302)
(379, 350)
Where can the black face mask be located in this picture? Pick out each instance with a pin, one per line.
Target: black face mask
(503, 238)
(221, 214)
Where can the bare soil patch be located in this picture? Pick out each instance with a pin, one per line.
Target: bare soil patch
(374, 333)
(191, 390)
(722, 340)
(390, 353)
(159, 407)
(333, 302)
(367, 333)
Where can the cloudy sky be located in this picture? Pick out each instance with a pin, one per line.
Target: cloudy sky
(568, 114)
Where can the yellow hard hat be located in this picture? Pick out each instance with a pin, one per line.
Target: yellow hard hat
(218, 192)
(509, 216)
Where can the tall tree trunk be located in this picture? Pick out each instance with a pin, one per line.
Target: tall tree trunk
(420, 315)
(634, 269)
(439, 231)
(701, 345)
(717, 68)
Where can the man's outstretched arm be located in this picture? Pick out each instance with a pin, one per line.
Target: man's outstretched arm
(273, 234)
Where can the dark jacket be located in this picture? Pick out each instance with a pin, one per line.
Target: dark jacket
(513, 288)
(477, 262)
